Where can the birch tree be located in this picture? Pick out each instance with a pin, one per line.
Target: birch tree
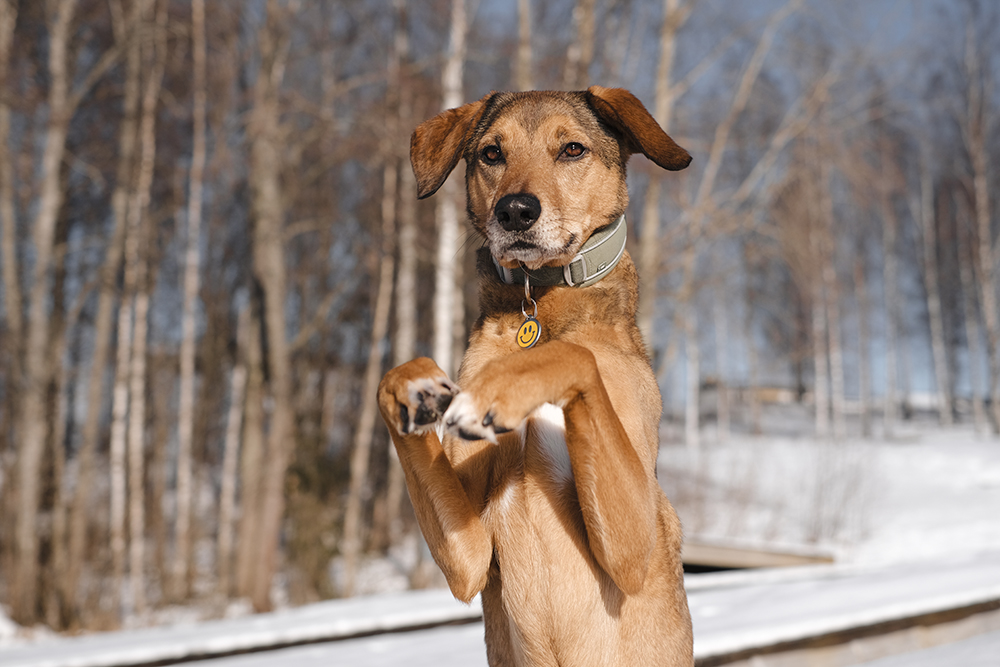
(890, 296)
(32, 422)
(675, 15)
(523, 75)
(700, 213)
(446, 295)
(975, 128)
(269, 265)
(970, 316)
(580, 53)
(404, 336)
(125, 26)
(8, 222)
(185, 417)
(154, 62)
(360, 483)
(922, 210)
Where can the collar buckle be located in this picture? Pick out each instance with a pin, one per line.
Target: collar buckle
(568, 270)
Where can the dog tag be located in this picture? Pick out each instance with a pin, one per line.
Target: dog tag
(528, 333)
(530, 330)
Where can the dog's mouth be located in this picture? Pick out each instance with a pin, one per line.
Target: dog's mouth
(513, 250)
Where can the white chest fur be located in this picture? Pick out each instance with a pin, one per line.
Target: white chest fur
(547, 429)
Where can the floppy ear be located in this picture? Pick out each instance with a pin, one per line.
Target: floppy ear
(438, 144)
(624, 112)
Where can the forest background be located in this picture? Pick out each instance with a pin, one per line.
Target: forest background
(211, 251)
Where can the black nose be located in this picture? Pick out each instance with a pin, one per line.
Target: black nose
(516, 213)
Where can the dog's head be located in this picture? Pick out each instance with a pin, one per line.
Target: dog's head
(544, 170)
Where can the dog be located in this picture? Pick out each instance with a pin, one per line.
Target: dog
(533, 478)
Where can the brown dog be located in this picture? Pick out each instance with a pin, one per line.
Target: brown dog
(541, 492)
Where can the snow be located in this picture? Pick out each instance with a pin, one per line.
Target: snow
(980, 651)
(914, 525)
(316, 622)
(929, 493)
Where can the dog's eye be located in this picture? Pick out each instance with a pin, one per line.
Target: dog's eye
(492, 155)
(573, 150)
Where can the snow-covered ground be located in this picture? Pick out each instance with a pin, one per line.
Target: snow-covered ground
(914, 524)
(980, 651)
(928, 493)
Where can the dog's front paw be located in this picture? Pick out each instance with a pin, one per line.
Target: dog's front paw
(414, 396)
(468, 421)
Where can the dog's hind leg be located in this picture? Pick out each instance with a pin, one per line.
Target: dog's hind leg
(412, 398)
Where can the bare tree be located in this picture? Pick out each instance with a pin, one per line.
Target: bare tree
(8, 222)
(32, 422)
(252, 459)
(923, 211)
(153, 62)
(890, 296)
(675, 15)
(446, 295)
(404, 337)
(230, 457)
(700, 213)
(185, 417)
(864, 335)
(580, 53)
(973, 341)
(523, 79)
(831, 296)
(125, 26)
(361, 454)
(270, 268)
(974, 128)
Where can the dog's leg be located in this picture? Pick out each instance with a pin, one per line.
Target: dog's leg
(616, 489)
(412, 398)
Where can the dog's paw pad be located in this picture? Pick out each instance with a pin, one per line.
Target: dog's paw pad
(428, 398)
(463, 419)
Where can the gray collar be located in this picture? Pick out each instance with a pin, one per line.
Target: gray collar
(599, 254)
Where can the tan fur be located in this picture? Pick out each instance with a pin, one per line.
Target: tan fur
(575, 548)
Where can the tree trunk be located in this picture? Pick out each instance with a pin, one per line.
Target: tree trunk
(974, 129)
(445, 290)
(864, 339)
(831, 294)
(722, 339)
(404, 340)
(523, 79)
(966, 260)
(103, 322)
(821, 378)
(923, 213)
(153, 60)
(119, 415)
(185, 419)
(986, 268)
(361, 454)
(648, 256)
(227, 495)
(8, 222)
(269, 267)
(692, 353)
(32, 421)
(252, 460)
(59, 370)
(580, 54)
(890, 410)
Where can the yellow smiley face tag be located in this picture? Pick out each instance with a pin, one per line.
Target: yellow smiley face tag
(528, 334)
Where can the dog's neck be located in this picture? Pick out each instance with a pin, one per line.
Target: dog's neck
(596, 259)
(614, 299)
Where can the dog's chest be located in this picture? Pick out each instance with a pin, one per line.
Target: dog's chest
(543, 440)
(543, 462)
